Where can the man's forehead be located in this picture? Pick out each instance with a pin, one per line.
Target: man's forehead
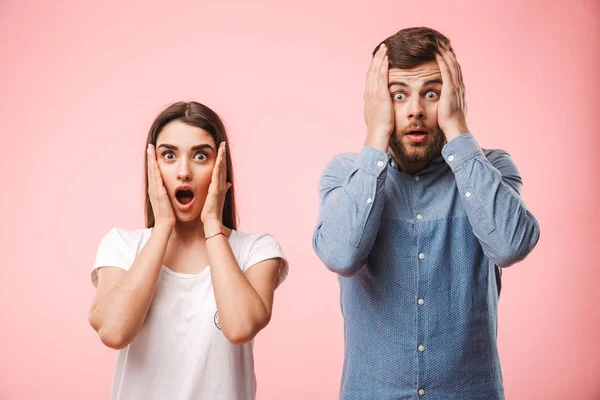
(423, 72)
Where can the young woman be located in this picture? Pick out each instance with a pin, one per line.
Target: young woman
(183, 299)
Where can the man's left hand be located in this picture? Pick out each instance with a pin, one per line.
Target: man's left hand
(452, 106)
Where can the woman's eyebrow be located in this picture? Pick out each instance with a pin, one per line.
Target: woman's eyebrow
(194, 148)
(202, 146)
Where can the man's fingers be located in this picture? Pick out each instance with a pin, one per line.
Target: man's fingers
(451, 63)
(457, 66)
(446, 77)
(382, 83)
(375, 70)
(380, 65)
(463, 89)
(459, 77)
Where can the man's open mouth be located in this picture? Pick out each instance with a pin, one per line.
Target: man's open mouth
(417, 132)
(416, 135)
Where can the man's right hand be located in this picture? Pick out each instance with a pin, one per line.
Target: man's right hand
(379, 110)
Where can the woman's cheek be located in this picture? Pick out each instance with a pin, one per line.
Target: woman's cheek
(206, 177)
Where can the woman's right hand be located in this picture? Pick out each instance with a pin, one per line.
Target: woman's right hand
(161, 205)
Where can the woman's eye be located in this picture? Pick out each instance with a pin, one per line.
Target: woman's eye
(168, 155)
(200, 156)
(399, 96)
(431, 95)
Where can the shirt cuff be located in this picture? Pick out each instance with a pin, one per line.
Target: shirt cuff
(372, 161)
(460, 150)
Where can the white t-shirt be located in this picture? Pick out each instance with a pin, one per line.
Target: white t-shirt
(180, 352)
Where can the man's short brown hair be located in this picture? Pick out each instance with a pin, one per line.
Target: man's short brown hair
(411, 47)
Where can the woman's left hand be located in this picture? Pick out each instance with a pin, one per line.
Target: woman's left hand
(215, 200)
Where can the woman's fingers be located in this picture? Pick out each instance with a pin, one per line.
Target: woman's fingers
(224, 167)
(151, 185)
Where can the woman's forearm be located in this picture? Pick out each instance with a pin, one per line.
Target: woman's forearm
(118, 314)
(242, 312)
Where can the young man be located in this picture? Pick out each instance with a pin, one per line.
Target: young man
(418, 225)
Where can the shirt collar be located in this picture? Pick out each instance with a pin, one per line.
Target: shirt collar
(435, 164)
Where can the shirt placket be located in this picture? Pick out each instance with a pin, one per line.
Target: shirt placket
(421, 260)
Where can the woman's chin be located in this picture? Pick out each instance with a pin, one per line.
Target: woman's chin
(185, 217)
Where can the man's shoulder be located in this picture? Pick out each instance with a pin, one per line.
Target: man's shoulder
(495, 154)
(342, 161)
(345, 157)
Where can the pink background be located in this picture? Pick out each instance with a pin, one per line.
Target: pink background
(80, 85)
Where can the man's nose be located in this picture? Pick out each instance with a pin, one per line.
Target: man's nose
(416, 109)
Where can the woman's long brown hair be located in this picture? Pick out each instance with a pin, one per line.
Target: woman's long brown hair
(198, 115)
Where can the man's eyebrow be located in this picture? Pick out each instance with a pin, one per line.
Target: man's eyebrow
(397, 83)
(433, 81)
(429, 82)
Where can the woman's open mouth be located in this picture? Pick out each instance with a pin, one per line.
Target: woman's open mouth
(185, 198)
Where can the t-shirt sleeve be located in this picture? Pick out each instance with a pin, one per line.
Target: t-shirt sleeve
(114, 251)
(264, 248)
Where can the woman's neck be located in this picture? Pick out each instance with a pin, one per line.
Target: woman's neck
(192, 232)
(188, 232)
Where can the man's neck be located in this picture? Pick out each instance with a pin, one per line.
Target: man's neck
(407, 167)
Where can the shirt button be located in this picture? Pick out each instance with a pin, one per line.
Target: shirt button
(369, 200)
(421, 302)
(419, 217)
(421, 392)
(421, 348)
(421, 256)
(451, 158)
(417, 178)
(468, 194)
(380, 163)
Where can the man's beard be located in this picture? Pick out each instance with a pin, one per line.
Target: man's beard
(425, 153)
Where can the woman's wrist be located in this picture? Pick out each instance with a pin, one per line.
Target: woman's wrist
(212, 227)
(163, 228)
(162, 232)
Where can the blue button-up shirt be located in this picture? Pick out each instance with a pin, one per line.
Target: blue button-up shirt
(419, 261)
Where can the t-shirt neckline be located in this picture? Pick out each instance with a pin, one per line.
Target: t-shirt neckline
(183, 275)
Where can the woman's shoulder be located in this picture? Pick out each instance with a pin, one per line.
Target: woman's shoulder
(118, 248)
(248, 243)
(249, 238)
(257, 247)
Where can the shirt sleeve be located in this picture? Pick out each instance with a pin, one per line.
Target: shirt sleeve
(113, 251)
(263, 248)
(490, 189)
(351, 191)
